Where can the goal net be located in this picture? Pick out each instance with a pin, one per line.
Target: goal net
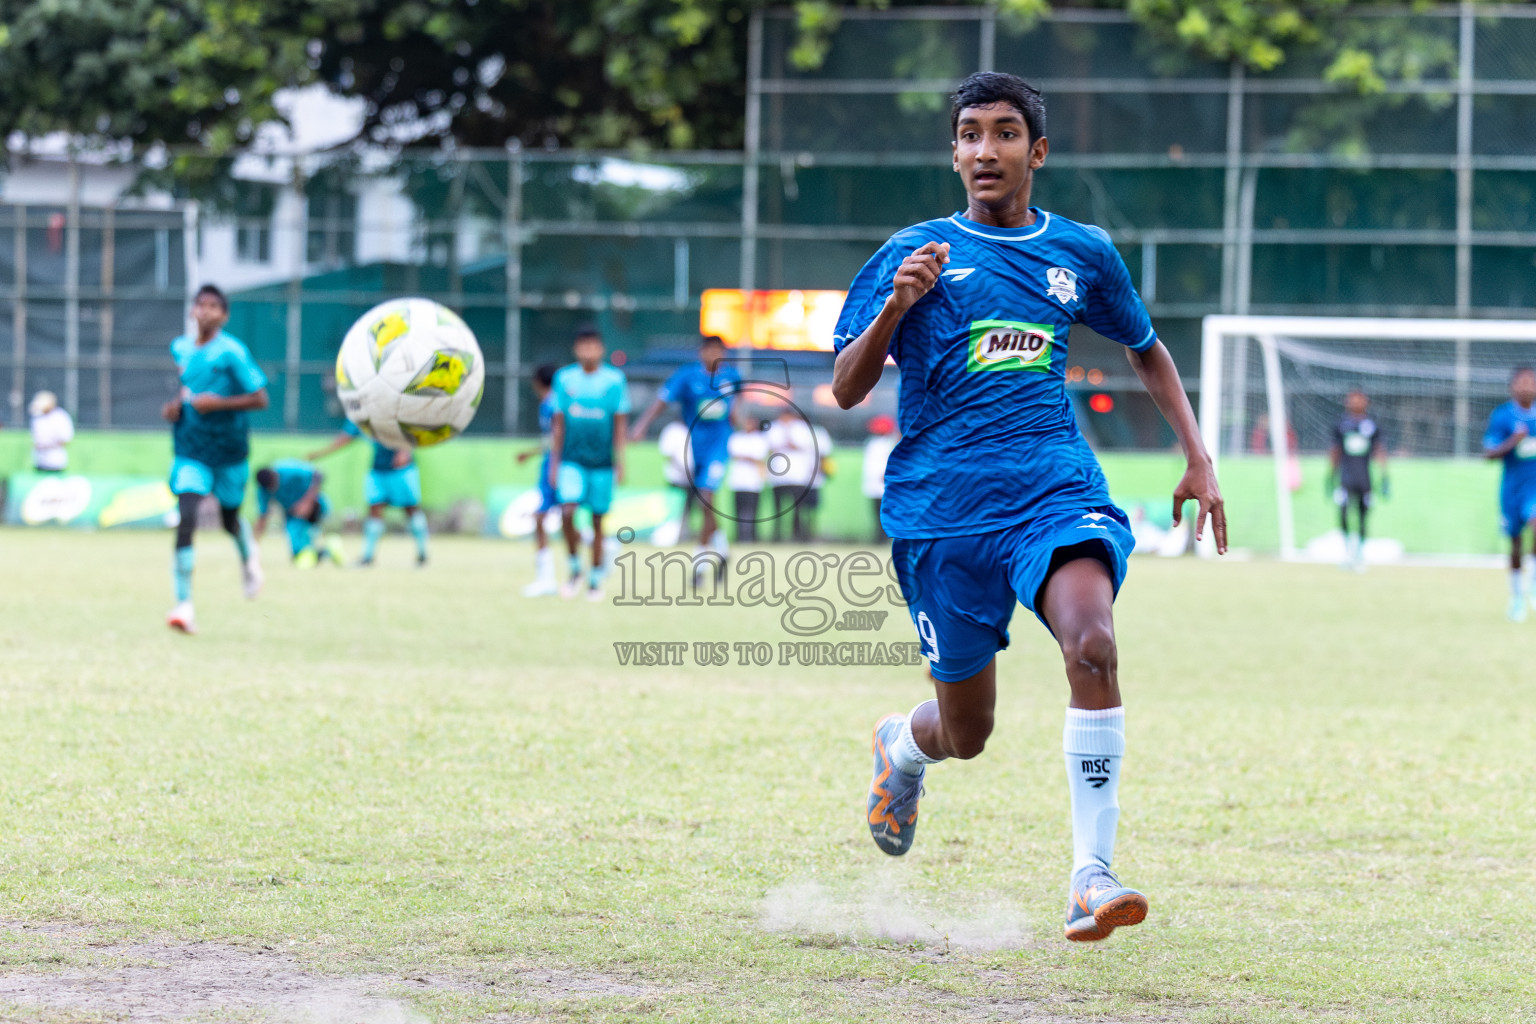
(1273, 390)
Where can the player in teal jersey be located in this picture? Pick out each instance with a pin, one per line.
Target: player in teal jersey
(294, 487)
(587, 450)
(993, 496)
(392, 480)
(220, 384)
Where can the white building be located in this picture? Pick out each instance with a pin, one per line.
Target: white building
(278, 232)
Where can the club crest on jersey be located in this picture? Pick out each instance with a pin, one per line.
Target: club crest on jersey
(1010, 345)
(1062, 285)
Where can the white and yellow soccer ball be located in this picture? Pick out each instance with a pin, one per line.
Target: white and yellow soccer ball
(410, 373)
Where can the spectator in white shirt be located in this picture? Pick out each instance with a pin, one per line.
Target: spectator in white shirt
(672, 442)
(52, 429)
(877, 451)
(825, 467)
(792, 466)
(747, 474)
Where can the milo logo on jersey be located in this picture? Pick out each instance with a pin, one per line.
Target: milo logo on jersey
(1010, 345)
(712, 409)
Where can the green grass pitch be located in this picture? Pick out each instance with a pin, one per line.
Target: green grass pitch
(422, 775)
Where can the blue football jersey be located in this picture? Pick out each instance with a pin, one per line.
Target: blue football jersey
(383, 455)
(294, 478)
(704, 398)
(547, 417)
(1519, 464)
(989, 438)
(221, 366)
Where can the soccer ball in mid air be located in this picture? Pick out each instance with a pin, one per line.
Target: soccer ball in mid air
(410, 373)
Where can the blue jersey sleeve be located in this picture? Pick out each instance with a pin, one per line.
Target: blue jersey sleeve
(867, 294)
(348, 427)
(1112, 306)
(672, 390)
(263, 501)
(1500, 427)
(245, 371)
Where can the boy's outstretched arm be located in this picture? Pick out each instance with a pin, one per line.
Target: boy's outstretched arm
(1160, 377)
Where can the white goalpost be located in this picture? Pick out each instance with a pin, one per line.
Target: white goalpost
(1274, 385)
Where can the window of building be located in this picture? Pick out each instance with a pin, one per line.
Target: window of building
(254, 205)
(332, 236)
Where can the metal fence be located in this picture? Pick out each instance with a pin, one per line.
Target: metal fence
(1225, 191)
(85, 297)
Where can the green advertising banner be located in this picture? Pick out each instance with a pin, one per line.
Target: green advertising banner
(88, 501)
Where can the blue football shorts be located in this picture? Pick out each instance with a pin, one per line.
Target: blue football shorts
(225, 483)
(711, 456)
(400, 488)
(586, 485)
(1517, 506)
(960, 591)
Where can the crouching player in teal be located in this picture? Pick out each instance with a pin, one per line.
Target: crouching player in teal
(392, 480)
(587, 450)
(220, 383)
(294, 487)
(993, 496)
(1511, 439)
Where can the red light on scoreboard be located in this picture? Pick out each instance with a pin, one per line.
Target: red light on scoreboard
(1102, 403)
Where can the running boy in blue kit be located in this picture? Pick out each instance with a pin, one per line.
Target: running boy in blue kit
(705, 393)
(294, 486)
(993, 496)
(392, 481)
(587, 450)
(1511, 438)
(220, 384)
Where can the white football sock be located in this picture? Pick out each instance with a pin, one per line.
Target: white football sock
(1519, 585)
(1094, 745)
(906, 755)
(544, 564)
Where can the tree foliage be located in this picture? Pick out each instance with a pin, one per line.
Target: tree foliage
(663, 73)
(652, 73)
(174, 71)
(1263, 35)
